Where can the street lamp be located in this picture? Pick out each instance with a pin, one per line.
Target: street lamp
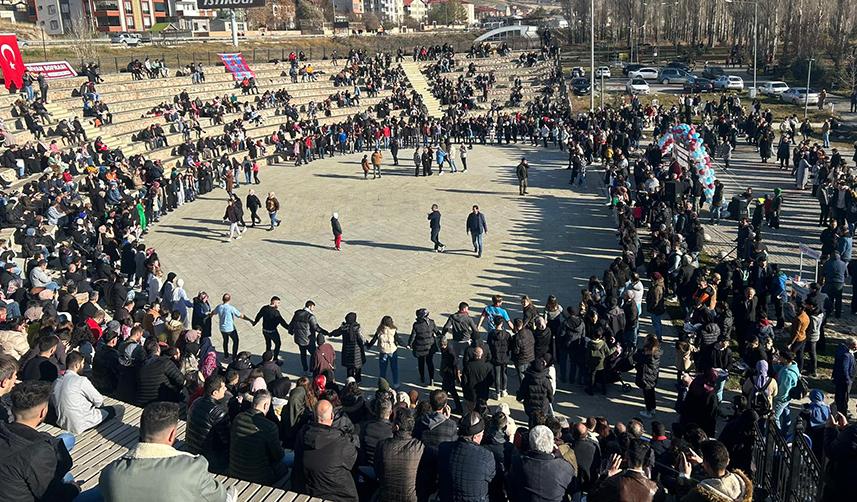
(806, 95)
(755, 37)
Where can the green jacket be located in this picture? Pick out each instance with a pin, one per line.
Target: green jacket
(154, 471)
(255, 453)
(596, 354)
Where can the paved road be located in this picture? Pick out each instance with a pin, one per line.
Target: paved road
(549, 242)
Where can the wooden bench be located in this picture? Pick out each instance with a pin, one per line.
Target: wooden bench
(96, 448)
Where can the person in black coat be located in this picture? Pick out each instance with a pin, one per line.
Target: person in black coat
(648, 361)
(353, 351)
(159, 378)
(840, 448)
(253, 204)
(496, 440)
(498, 344)
(433, 429)
(535, 391)
(466, 469)
(422, 343)
(450, 372)
(476, 380)
(208, 431)
(106, 368)
(539, 475)
(543, 340)
(372, 432)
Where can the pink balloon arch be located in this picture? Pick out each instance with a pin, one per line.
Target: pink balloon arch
(687, 136)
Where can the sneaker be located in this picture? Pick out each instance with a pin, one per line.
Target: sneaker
(442, 249)
(239, 236)
(440, 174)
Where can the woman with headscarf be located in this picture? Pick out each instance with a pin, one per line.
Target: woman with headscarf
(200, 319)
(166, 292)
(700, 404)
(180, 302)
(353, 354)
(760, 389)
(297, 412)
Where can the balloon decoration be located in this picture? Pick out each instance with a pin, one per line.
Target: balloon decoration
(700, 161)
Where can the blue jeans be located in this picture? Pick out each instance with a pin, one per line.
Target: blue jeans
(69, 441)
(719, 385)
(274, 220)
(393, 361)
(826, 138)
(477, 243)
(656, 323)
(782, 415)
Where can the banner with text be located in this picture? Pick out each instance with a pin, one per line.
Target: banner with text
(237, 66)
(53, 70)
(230, 4)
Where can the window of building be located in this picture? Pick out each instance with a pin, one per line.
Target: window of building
(127, 7)
(52, 10)
(55, 25)
(64, 8)
(147, 22)
(145, 6)
(129, 21)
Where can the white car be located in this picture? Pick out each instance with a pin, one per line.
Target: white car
(773, 88)
(637, 86)
(646, 72)
(602, 72)
(730, 82)
(799, 96)
(131, 39)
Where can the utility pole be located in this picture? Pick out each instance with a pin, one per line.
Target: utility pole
(234, 25)
(806, 95)
(592, 55)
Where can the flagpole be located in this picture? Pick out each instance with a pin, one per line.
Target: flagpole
(234, 27)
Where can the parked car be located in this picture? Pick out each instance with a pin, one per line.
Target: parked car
(799, 96)
(637, 86)
(730, 82)
(672, 76)
(578, 71)
(628, 68)
(602, 71)
(580, 86)
(697, 84)
(773, 88)
(712, 72)
(679, 65)
(645, 72)
(126, 38)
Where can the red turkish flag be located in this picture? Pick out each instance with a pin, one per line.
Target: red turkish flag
(11, 61)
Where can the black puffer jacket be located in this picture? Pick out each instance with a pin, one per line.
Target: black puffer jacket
(352, 342)
(159, 379)
(207, 432)
(647, 365)
(523, 347)
(372, 432)
(543, 343)
(255, 453)
(498, 342)
(324, 457)
(535, 391)
(422, 337)
(397, 461)
(573, 335)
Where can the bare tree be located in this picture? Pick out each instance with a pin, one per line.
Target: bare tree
(81, 39)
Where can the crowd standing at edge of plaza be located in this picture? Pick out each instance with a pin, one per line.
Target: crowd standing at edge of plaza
(83, 257)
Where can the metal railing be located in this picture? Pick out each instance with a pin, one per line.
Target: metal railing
(785, 472)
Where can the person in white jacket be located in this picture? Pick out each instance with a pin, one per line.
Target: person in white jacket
(79, 406)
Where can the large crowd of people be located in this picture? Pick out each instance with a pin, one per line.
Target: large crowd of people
(89, 312)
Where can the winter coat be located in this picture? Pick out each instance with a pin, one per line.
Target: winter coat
(422, 341)
(32, 464)
(596, 354)
(154, 471)
(498, 343)
(303, 327)
(397, 460)
(535, 390)
(540, 477)
(465, 471)
(523, 347)
(352, 345)
(843, 366)
(648, 365)
(655, 299)
(434, 428)
(840, 447)
(626, 486)
(159, 379)
(478, 376)
(255, 452)
(543, 343)
(324, 457)
(462, 327)
(735, 486)
(372, 432)
(207, 432)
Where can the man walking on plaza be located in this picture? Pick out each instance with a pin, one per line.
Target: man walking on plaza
(272, 205)
(253, 204)
(227, 314)
(523, 172)
(476, 227)
(304, 327)
(271, 318)
(434, 224)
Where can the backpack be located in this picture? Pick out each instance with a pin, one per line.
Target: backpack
(126, 357)
(800, 390)
(759, 401)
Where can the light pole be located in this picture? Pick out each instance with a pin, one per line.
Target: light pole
(592, 55)
(806, 95)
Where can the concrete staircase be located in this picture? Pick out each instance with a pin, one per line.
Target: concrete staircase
(420, 84)
(59, 110)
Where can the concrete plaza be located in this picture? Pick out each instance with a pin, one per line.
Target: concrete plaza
(548, 242)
